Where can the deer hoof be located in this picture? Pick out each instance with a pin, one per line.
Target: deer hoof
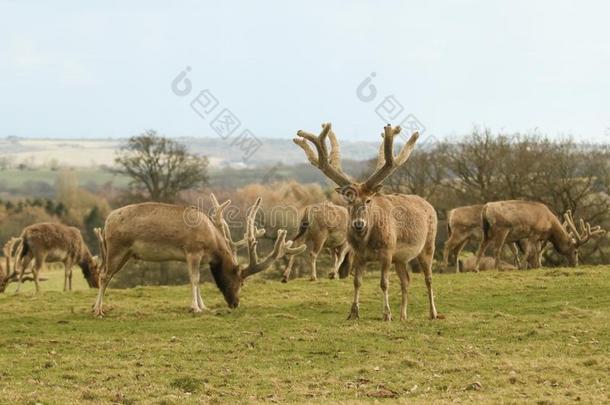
(403, 318)
(354, 313)
(313, 278)
(284, 280)
(387, 317)
(332, 276)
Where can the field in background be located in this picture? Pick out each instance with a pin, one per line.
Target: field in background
(538, 336)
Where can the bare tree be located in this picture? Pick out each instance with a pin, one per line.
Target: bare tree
(159, 167)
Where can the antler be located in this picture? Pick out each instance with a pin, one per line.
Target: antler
(387, 163)
(330, 165)
(223, 227)
(586, 231)
(280, 249)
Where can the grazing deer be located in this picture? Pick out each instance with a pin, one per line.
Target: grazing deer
(385, 228)
(510, 221)
(158, 232)
(463, 226)
(323, 225)
(7, 273)
(54, 242)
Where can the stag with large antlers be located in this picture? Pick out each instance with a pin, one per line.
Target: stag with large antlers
(158, 232)
(513, 220)
(52, 242)
(390, 229)
(323, 225)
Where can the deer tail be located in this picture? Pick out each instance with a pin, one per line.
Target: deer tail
(485, 222)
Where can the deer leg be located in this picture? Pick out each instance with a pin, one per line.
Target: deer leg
(339, 257)
(403, 274)
(481, 251)
(286, 274)
(354, 312)
(541, 246)
(425, 262)
(115, 262)
(450, 247)
(193, 263)
(316, 248)
(458, 250)
(25, 262)
(386, 263)
(38, 263)
(515, 250)
(200, 300)
(67, 276)
(498, 245)
(70, 277)
(333, 271)
(446, 250)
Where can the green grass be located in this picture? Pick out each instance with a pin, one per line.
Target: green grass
(535, 336)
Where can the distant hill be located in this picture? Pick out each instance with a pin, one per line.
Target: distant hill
(222, 153)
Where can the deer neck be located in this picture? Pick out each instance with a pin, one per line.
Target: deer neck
(559, 237)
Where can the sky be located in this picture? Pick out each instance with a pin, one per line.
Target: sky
(74, 69)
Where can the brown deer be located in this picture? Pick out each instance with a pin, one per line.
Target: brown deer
(7, 272)
(463, 226)
(323, 225)
(390, 229)
(510, 221)
(52, 242)
(158, 232)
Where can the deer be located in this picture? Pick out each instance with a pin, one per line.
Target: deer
(7, 273)
(53, 242)
(159, 232)
(323, 225)
(389, 229)
(512, 220)
(463, 226)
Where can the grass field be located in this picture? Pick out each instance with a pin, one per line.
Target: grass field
(539, 336)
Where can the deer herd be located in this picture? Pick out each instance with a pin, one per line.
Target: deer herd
(391, 229)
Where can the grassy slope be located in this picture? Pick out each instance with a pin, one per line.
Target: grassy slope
(537, 336)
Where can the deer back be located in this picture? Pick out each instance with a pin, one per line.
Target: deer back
(159, 232)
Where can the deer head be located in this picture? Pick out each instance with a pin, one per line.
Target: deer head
(6, 275)
(359, 196)
(579, 237)
(90, 266)
(230, 280)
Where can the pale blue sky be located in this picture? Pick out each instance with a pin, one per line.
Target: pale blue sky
(97, 69)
